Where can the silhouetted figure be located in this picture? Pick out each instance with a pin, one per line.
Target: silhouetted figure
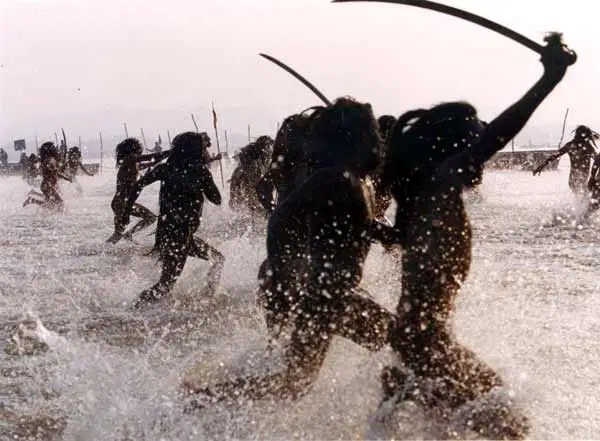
(435, 154)
(316, 246)
(129, 162)
(32, 170)
(3, 159)
(253, 164)
(49, 167)
(289, 165)
(73, 163)
(594, 188)
(581, 151)
(185, 182)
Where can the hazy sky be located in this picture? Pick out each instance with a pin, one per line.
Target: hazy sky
(89, 65)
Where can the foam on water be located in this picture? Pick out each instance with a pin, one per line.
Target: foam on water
(529, 308)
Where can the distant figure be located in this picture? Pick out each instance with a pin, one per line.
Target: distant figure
(289, 166)
(73, 163)
(3, 159)
(32, 170)
(253, 164)
(23, 164)
(158, 146)
(185, 182)
(49, 165)
(130, 161)
(581, 151)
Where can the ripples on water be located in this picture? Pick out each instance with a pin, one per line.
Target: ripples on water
(85, 366)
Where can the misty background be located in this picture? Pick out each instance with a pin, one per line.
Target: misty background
(88, 66)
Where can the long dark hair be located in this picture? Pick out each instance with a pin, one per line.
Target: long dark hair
(127, 147)
(188, 151)
(422, 139)
(344, 133)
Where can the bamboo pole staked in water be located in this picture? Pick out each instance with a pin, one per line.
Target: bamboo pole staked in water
(169, 136)
(562, 136)
(126, 133)
(249, 138)
(101, 152)
(226, 145)
(144, 139)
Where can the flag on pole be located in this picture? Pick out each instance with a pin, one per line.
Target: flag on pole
(214, 116)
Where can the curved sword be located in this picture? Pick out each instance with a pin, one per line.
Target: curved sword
(459, 13)
(298, 77)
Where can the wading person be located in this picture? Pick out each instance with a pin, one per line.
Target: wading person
(130, 161)
(317, 243)
(581, 151)
(185, 182)
(435, 154)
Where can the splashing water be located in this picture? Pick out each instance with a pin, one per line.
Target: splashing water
(103, 371)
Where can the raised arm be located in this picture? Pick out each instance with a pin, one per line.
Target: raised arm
(556, 58)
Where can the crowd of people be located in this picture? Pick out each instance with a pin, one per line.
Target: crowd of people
(325, 183)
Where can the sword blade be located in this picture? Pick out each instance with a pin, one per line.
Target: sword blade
(298, 77)
(468, 16)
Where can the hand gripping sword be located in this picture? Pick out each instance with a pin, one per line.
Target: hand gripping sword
(473, 18)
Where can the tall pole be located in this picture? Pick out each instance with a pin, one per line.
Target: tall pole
(249, 138)
(126, 133)
(195, 123)
(226, 145)
(169, 136)
(218, 146)
(563, 128)
(144, 139)
(56, 139)
(101, 152)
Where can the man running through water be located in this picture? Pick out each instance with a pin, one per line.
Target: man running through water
(317, 243)
(581, 151)
(49, 167)
(435, 154)
(130, 161)
(185, 182)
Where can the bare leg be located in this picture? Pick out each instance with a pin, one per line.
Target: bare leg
(354, 317)
(204, 251)
(180, 241)
(147, 216)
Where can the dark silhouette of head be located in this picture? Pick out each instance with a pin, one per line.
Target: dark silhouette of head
(344, 134)
(585, 133)
(189, 150)
(291, 138)
(47, 151)
(74, 154)
(128, 147)
(422, 139)
(386, 126)
(206, 140)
